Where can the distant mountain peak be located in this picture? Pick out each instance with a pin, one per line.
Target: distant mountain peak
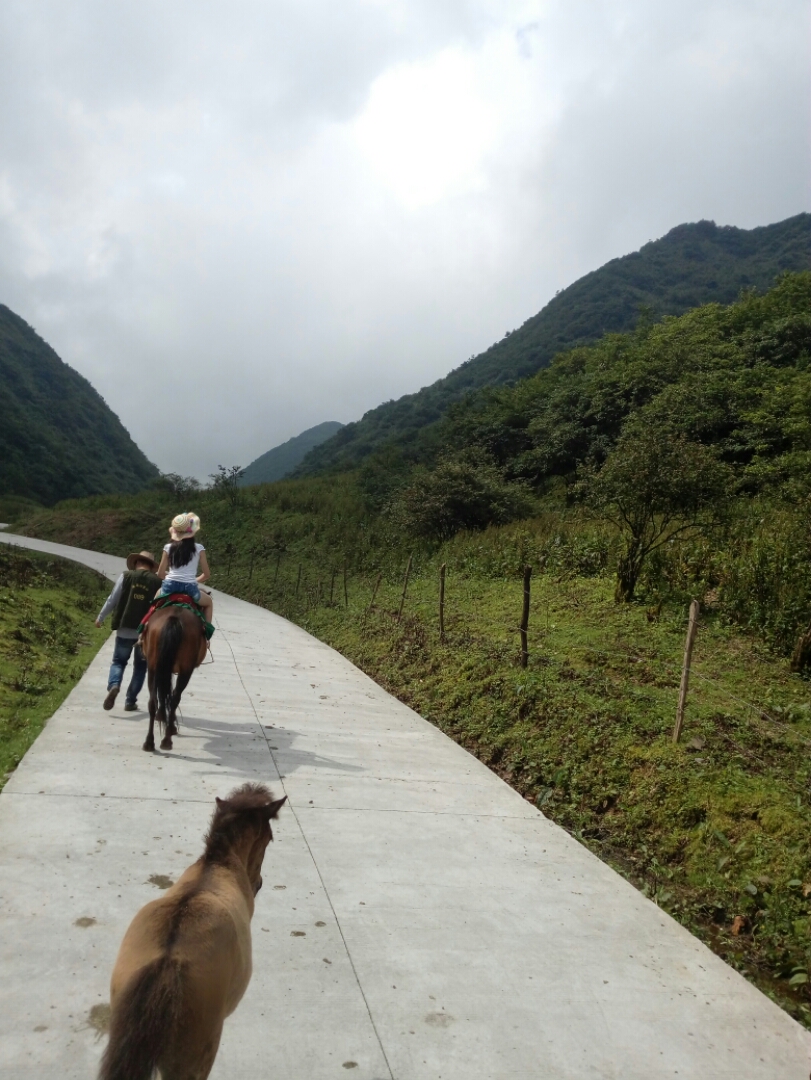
(278, 462)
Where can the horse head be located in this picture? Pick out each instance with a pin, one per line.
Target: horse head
(241, 827)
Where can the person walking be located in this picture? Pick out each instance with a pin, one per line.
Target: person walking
(129, 601)
(181, 560)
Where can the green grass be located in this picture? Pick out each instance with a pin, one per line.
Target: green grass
(47, 640)
(714, 830)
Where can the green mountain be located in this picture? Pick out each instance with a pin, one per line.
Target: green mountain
(282, 460)
(735, 380)
(58, 438)
(692, 265)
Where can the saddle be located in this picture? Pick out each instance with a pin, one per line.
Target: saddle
(178, 600)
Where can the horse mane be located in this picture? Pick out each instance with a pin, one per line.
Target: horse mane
(231, 816)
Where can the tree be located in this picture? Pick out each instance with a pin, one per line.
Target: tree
(657, 486)
(177, 485)
(464, 492)
(226, 482)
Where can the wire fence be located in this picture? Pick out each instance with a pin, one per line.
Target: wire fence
(303, 593)
(719, 691)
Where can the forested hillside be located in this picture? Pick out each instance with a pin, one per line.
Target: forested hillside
(666, 432)
(279, 462)
(58, 438)
(735, 379)
(693, 264)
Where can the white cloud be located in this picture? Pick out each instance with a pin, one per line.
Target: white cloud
(275, 214)
(426, 129)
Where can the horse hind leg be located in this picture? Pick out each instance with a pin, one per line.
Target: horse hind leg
(174, 701)
(163, 723)
(195, 1061)
(164, 707)
(149, 742)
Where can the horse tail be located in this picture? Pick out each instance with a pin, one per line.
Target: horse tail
(144, 1017)
(168, 648)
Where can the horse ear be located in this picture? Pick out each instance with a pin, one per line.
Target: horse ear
(220, 802)
(272, 809)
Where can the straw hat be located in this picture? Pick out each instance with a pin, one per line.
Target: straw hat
(141, 556)
(184, 526)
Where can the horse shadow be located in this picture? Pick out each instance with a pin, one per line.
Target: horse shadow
(223, 745)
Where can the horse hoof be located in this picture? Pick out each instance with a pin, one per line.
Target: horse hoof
(166, 744)
(149, 746)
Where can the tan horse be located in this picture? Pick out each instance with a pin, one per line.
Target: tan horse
(173, 643)
(185, 960)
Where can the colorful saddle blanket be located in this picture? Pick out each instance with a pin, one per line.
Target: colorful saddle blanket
(177, 600)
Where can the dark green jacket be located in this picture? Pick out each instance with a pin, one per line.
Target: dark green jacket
(137, 595)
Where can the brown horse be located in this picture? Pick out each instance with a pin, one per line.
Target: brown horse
(185, 960)
(173, 642)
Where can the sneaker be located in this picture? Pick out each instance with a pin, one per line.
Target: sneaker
(112, 694)
(130, 706)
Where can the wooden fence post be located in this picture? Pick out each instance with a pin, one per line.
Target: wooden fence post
(332, 585)
(692, 626)
(230, 551)
(298, 579)
(374, 592)
(346, 590)
(278, 564)
(405, 586)
(442, 604)
(525, 618)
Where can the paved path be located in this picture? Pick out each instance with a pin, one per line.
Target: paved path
(419, 919)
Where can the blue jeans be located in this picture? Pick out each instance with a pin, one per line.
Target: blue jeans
(190, 588)
(121, 654)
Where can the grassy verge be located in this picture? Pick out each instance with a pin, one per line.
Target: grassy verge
(714, 830)
(47, 639)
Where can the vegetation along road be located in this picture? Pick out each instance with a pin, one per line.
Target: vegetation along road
(47, 639)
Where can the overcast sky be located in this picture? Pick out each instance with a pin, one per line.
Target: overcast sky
(239, 220)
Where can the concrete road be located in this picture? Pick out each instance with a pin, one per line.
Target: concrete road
(419, 919)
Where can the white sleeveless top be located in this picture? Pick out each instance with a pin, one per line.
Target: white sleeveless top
(187, 572)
